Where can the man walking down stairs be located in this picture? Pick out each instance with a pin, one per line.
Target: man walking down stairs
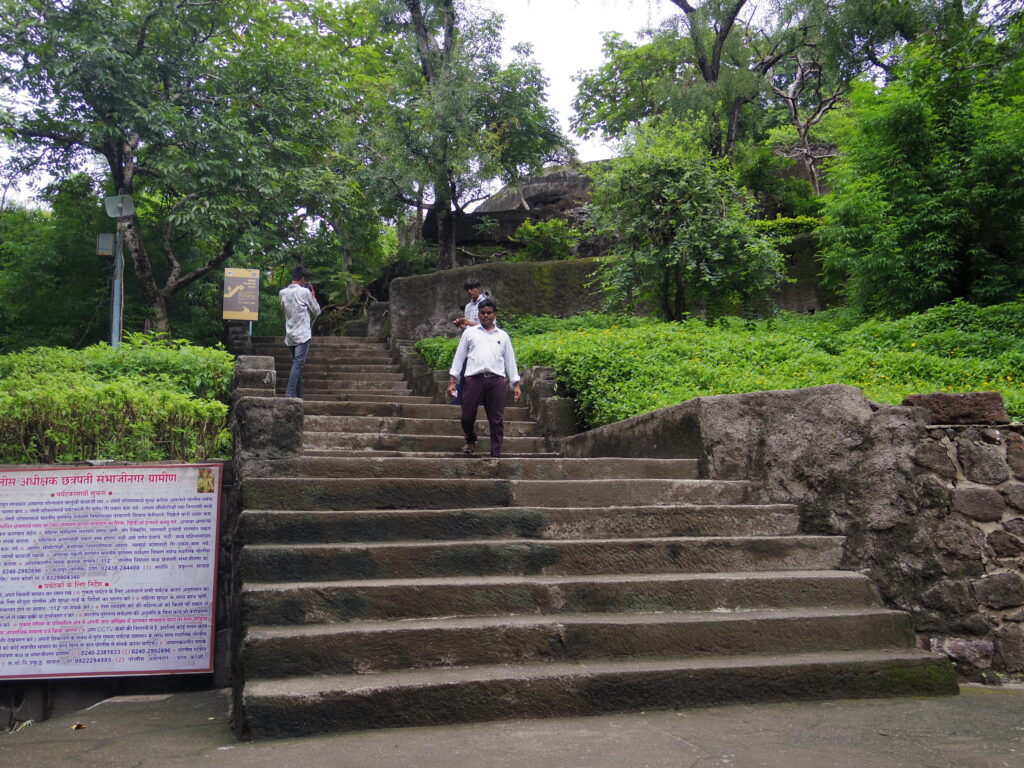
(389, 580)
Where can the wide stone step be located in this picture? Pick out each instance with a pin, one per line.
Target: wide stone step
(344, 374)
(350, 385)
(290, 562)
(329, 360)
(366, 647)
(263, 342)
(320, 703)
(426, 410)
(434, 493)
(366, 396)
(308, 602)
(337, 453)
(270, 526)
(460, 466)
(362, 441)
(406, 426)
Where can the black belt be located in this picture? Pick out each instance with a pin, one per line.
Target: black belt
(486, 376)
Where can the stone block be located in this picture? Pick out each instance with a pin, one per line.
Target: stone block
(961, 407)
(1014, 495)
(1000, 590)
(932, 455)
(1005, 545)
(254, 372)
(268, 427)
(1009, 648)
(976, 653)
(981, 504)
(983, 461)
(950, 597)
(1015, 526)
(1015, 454)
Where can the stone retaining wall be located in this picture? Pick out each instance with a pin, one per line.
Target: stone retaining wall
(933, 514)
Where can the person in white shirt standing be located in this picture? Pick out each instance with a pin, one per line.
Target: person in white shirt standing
(300, 308)
(470, 317)
(490, 368)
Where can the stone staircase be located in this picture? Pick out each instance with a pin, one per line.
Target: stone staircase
(388, 580)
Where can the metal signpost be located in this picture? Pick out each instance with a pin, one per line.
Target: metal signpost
(118, 207)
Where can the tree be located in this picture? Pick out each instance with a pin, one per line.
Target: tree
(928, 197)
(53, 286)
(214, 115)
(458, 119)
(708, 61)
(682, 226)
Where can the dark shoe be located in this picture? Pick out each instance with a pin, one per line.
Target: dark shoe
(468, 448)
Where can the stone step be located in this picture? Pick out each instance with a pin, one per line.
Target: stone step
(460, 466)
(451, 444)
(395, 426)
(425, 410)
(351, 385)
(490, 557)
(456, 493)
(317, 602)
(261, 342)
(362, 396)
(346, 453)
(268, 526)
(329, 360)
(316, 704)
(368, 647)
(344, 375)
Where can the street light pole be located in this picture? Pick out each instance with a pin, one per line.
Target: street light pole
(120, 208)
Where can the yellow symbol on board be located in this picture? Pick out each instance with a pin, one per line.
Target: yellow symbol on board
(233, 291)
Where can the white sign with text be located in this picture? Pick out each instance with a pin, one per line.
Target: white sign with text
(108, 570)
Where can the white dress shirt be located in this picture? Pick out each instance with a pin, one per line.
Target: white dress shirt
(485, 351)
(472, 312)
(299, 309)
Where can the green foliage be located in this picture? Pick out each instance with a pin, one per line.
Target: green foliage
(682, 227)
(545, 240)
(149, 400)
(928, 192)
(768, 177)
(53, 286)
(782, 230)
(618, 372)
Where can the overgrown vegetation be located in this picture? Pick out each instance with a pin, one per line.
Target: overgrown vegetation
(616, 370)
(151, 400)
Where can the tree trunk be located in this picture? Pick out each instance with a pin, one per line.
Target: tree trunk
(445, 238)
(146, 282)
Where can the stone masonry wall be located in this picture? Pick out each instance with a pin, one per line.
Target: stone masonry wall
(933, 514)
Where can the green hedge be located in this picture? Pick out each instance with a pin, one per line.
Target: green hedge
(616, 372)
(149, 400)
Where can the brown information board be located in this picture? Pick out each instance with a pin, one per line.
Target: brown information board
(241, 294)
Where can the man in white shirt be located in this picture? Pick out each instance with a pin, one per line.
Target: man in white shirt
(490, 364)
(300, 308)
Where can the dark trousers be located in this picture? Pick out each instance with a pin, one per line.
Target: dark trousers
(298, 352)
(489, 389)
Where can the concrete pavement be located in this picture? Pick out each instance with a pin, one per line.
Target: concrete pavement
(981, 728)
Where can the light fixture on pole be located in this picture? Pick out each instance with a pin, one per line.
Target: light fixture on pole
(118, 207)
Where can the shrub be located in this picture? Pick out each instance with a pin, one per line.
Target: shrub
(150, 400)
(545, 240)
(617, 372)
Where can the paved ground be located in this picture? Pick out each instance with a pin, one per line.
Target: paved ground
(981, 728)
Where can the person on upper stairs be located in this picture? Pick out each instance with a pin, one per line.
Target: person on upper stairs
(300, 309)
(470, 317)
